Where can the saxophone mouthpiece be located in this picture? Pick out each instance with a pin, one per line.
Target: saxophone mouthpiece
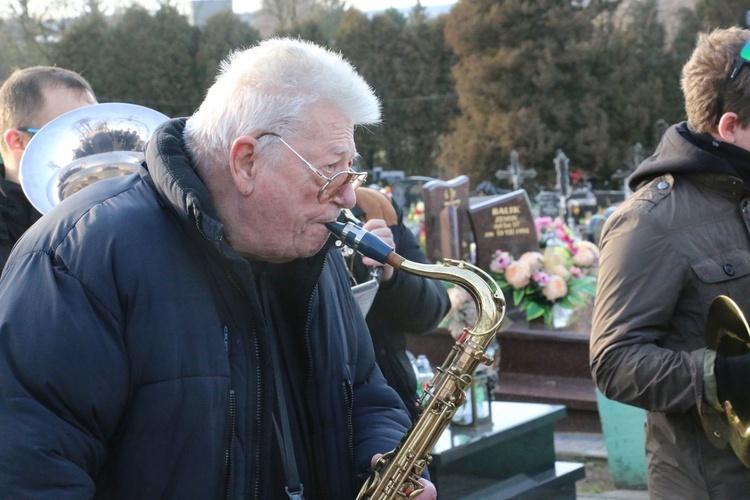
(361, 240)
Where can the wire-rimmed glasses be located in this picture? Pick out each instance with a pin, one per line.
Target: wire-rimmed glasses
(332, 185)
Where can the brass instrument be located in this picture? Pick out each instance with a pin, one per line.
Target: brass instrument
(397, 473)
(728, 334)
(83, 146)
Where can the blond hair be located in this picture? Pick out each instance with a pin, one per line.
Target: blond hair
(705, 84)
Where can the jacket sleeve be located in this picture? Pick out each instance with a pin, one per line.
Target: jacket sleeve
(640, 283)
(63, 381)
(408, 303)
(378, 416)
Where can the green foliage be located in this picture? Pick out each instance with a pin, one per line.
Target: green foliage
(15, 52)
(308, 30)
(721, 13)
(223, 33)
(458, 92)
(321, 25)
(83, 46)
(408, 64)
(586, 82)
(562, 273)
(141, 58)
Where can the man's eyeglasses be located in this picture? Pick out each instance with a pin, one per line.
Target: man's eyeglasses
(29, 130)
(742, 59)
(334, 184)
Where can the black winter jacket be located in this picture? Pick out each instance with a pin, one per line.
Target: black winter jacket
(16, 216)
(134, 359)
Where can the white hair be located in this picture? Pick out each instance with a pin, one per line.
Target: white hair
(269, 88)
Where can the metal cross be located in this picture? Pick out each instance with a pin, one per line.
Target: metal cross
(515, 172)
(562, 168)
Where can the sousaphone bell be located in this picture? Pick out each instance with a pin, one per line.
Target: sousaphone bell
(84, 146)
(728, 334)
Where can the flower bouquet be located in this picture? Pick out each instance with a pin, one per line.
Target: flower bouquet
(562, 274)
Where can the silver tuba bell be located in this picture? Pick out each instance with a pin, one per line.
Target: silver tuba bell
(83, 146)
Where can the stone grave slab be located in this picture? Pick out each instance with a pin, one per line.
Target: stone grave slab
(446, 219)
(503, 222)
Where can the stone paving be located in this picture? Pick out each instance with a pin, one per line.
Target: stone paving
(578, 446)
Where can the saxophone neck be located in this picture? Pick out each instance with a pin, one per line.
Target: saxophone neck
(483, 289)
(487, 295)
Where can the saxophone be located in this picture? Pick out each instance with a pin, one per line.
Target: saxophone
(396, 474)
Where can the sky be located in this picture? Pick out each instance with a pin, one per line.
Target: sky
(363, 5)
(239, 5)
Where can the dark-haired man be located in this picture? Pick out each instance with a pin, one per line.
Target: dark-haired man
(29, 99)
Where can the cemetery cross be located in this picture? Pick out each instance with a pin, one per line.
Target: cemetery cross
(515, 172)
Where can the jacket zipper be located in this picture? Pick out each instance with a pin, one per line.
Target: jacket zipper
(229, 457)
(349, 398)
(229, 453)
(258, 417)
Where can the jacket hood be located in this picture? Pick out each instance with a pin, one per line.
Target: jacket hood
(172, 174)
(682, 151)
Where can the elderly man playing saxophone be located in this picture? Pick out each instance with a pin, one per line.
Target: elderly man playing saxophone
(190, 335)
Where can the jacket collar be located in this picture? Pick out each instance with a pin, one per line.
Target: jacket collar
(170, 170)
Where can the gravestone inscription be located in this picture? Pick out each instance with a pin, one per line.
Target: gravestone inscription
(549, 204)
(446, 220)
(503, 222)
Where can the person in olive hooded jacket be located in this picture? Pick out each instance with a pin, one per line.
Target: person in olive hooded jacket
(681, 240)
(185, 332)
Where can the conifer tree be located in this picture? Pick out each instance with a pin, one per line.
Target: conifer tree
(526, 80)
(407, 62)
(223, 33)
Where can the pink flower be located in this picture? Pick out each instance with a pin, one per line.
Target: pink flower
(541, 278)
(541, 224)
(555, 289)
(576, 272)
(500, 261)
(518, 274)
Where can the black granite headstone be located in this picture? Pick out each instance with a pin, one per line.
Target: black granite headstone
(503, 222)
(447, 227)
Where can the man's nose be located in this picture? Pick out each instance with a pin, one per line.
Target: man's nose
(346, 197)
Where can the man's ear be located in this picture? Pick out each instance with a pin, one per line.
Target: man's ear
(242, 166)
(728, 127)
(15, 141)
